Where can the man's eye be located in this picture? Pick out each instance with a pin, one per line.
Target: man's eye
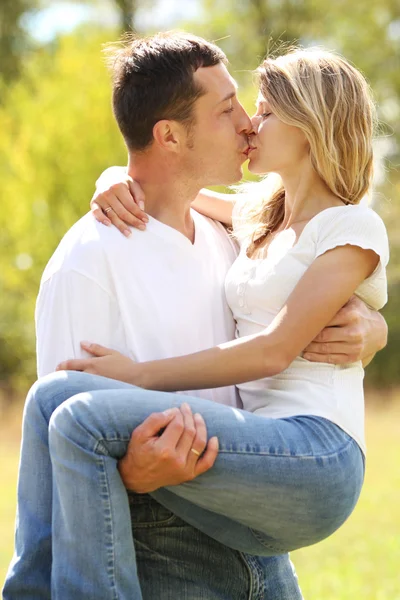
(229, 110)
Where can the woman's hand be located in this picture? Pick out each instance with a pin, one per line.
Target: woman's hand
(105, 362)
(122, 204)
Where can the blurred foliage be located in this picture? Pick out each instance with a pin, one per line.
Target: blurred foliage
(14, 39)
(58, 134)
(127, 9)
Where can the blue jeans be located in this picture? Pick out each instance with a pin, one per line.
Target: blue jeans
(277, 484)
(176, 561)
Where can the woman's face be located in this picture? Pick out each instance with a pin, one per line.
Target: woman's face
(277, 147)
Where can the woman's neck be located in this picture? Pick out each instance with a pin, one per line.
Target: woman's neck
(306, 194)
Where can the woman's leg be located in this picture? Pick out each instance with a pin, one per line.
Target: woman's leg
(276, 485)
(29, 573)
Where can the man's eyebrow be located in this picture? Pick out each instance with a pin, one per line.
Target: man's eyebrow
(228, 97)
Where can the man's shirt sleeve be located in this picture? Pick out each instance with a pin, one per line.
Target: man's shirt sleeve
(72, 308)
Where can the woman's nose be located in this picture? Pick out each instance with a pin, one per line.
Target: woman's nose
(255, 122)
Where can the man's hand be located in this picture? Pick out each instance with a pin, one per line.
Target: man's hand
(356, 333)
(167, 449)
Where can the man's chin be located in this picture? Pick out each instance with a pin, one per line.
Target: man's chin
(237, 176)
(228, 179)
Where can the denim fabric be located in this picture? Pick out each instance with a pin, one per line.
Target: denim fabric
(178, 562)
(276, 485)
(175, 561)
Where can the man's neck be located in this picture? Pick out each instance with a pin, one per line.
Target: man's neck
(167, 195)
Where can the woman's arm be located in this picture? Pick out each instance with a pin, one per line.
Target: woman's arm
(116, 190)
(325, 287)
(215, 205)
(119, 200)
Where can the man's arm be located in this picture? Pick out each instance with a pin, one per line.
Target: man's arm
(356, 333)
(71, 308)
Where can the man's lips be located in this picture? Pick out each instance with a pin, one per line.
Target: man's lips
(247, 150)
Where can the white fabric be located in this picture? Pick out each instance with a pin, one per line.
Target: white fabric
(258, 289)
(153, 295)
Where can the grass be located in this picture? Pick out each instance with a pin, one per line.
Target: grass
(359, 562)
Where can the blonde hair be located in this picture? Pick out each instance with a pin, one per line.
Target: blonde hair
(330, 101)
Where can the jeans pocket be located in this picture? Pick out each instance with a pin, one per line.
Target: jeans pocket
(147, 512)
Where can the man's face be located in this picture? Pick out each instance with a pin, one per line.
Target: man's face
(218, 139)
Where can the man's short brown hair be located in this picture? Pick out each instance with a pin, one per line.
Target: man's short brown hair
(153, 80)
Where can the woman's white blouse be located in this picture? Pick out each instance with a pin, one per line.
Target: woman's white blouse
(257, 290)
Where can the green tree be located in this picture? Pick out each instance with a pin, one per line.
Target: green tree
(14, 39)
(369, 35)
(58, 134)
(127, 9)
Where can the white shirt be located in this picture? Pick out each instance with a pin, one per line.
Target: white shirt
(258, 289)
(153, 295)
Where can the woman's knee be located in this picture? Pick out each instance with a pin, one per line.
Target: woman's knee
(313, 518)
(45, 396)
(71, 422)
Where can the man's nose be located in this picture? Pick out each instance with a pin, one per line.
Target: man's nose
(244, 124)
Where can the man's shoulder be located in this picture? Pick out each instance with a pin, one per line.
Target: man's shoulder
(216, 233)
(83, 248)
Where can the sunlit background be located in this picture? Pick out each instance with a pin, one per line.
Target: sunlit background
(56, 136)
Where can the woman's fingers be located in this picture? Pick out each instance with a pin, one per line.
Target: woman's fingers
(121, 199)
(98, 213)
(120, 208)
(97, 349)
(122, 226)
(136, 193)
(75, 364)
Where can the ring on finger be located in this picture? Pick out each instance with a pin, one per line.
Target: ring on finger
(107, 210)
(196, 452)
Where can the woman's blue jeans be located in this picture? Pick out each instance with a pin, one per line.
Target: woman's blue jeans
(277, 485)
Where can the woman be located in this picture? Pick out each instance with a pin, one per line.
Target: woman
(298, 445)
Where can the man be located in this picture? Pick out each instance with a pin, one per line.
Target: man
(159, 294)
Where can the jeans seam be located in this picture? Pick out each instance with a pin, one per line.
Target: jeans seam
(109, 530)
(100, 448)
(294, 456)
(257, 584)
(275, 549)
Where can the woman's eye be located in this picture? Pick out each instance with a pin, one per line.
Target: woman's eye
(265, 115)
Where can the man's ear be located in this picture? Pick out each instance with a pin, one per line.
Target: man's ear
(168, 135)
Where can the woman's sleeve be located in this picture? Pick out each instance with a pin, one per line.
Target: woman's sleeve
(358, 226)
